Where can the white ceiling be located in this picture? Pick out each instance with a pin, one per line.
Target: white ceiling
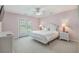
(28, 9)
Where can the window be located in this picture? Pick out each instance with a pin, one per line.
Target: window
(24, 27)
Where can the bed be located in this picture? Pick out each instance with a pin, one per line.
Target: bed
(45, 36)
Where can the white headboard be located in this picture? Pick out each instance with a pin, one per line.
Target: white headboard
(51, 27)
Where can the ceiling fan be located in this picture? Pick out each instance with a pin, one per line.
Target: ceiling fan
(41, 12)
(38, 11)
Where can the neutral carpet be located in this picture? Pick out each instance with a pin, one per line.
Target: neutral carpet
(29, 45)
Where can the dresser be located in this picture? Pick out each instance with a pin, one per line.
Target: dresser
(5, 42)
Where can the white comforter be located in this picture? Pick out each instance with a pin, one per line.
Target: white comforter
(44, 36)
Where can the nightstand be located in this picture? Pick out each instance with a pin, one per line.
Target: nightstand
(64, 36)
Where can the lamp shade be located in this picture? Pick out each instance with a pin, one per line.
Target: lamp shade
(65, 25)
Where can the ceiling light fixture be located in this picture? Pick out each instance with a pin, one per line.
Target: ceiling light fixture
(38, 11)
